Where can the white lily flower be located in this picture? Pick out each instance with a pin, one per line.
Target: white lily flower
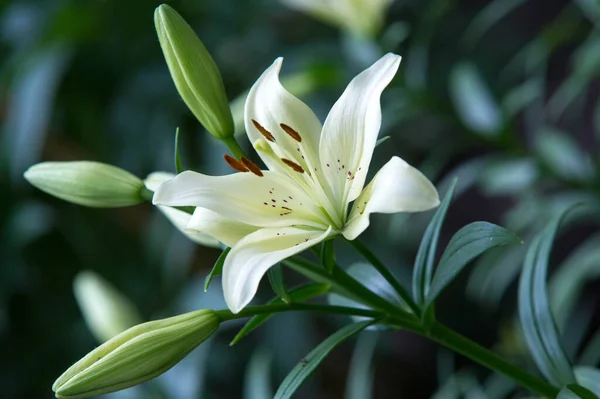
(314, 173)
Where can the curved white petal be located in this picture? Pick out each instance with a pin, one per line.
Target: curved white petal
(181, 219)
(351, 128)
(268, 201)
(397, 187)
(226, 230)
(252, 256)
(269, 104)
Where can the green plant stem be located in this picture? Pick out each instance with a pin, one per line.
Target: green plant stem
(234, 147)
(392, 315)
(461, 344)
(361, 248)
(249, 311)
(347, 286)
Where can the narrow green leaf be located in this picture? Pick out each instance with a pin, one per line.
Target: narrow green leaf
(494, 12)
(468, 243)
(573, 391)
(589, 378)
(178, 167)
(275, 275)
(298, 294)
(309, 363)
(381, 141)
(537, 321)
(473, 100)
(217, 268)
(359, 384)
(423, 269)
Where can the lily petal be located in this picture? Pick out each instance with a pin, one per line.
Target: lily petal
(269, 201)
(180, 219)
(270, 112)
(397, 187)
(351, 128)
(253, 255)
(226, 230)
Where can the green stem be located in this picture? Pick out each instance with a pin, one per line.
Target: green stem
(384, 271)
(234, 147)
(347, 286)
(249, 311)
(458, 343)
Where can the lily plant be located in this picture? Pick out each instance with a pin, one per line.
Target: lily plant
(312, 190)
(314, 173)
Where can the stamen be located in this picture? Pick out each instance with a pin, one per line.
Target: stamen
(252, 167)
(293, 134)
(235, 164)
(268, 135)
(293, 165)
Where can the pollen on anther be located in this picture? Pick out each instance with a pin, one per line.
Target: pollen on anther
(252, 167)
(235, 164)
(291, 132)
(268, 135)
(293, 165)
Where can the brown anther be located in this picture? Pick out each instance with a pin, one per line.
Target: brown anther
(251, 166)
(235, 164)
(291, 132)
(293, 165)
(268, 135)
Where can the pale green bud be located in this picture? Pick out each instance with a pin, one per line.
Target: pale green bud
(136, 355)
(194, 72)
(87, 183)
(106, 311)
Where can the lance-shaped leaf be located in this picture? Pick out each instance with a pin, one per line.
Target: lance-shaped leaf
(537, 321)
(277, 283)
(217, 269)
(423, 270)
(309, 363)
(573, 391)
(589, 378)
(468, 243)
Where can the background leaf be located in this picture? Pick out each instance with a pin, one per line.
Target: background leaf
(536, 318)
(307, 365)
(468, 243)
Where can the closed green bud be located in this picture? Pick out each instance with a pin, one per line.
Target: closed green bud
(107, 312)
(87, 183)
(136, 355)
(194, 72)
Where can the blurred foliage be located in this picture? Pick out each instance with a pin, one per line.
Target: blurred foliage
(502, 94)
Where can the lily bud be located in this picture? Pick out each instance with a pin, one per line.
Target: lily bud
(87, 183)
(106, 311)
(194, 72)
(136, 355)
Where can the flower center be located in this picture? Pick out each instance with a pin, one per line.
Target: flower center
(285, 151)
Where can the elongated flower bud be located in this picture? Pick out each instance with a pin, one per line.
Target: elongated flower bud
(194, 72)
(107, 312)
(87, 183)
(136, 355)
